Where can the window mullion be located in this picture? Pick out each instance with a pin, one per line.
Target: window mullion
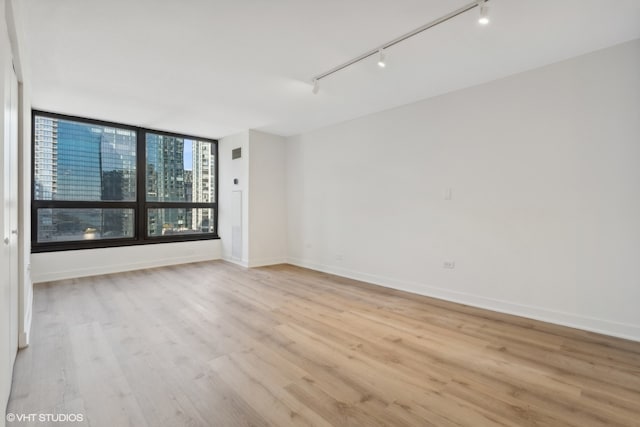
(141, 186)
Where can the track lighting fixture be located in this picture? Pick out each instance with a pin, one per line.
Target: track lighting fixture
(484, 13)
(483, 20)
(381, 59)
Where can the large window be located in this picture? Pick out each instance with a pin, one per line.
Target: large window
(99, 184)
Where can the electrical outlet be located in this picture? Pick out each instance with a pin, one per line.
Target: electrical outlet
(449, 264)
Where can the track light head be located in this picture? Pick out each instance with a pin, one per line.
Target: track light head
(316, 86)
(483, 19)
(381, 58)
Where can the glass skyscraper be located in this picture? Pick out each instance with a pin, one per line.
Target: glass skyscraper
(79, 162)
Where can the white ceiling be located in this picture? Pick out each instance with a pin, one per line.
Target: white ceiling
(215, 67)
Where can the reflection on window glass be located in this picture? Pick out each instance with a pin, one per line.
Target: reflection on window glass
(179, 169)
(70, 224)
(172, 221)
(83, 162)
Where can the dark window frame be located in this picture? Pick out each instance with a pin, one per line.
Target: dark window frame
(140, 206)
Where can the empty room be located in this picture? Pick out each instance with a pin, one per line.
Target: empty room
(337, 213)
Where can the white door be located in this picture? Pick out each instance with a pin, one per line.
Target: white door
(9, 222)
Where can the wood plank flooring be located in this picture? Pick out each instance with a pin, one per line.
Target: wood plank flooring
(213, 344)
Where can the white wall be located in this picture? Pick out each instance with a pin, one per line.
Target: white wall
(261, 178)
(544, 219)
(267, 204)
(89, 262)
(229, 169)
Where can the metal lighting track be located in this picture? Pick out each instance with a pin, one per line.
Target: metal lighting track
(401, 38)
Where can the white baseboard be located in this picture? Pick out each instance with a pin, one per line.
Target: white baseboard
(262, 262)
(240, 262)
(601, 326)
(23, 340)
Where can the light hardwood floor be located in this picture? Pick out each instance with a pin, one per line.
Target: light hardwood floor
(213, 344)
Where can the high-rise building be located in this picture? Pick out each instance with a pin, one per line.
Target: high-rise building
(76, 161)
(203, 163)
(118, 164)
(46, 168)
(165, 183)
(46, 158)
(79, 162)
(188, 185)
(118, 179)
